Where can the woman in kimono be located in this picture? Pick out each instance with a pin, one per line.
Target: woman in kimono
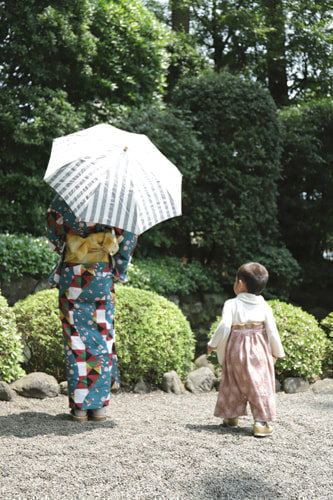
(92, 258)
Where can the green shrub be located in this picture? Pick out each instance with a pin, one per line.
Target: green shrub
(38, 321)
(239, 164)
(11, 347)
(23, 254)
(304, 342)
(327, 324)
(171, 276)
(153, 336)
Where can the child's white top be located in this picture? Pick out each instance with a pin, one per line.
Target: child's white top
(246, 308)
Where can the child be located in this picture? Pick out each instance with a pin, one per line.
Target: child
(247, 344)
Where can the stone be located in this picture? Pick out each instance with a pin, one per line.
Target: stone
(218, 372)
(213, 303)
(295, 384)
(64, 388)
(6, 393)
(174, 298)
(141, 387)
(18, 288)
(324, 386)
(203, 361)
(200, 380)
(37, 385)
(172, 383)
(278, 387)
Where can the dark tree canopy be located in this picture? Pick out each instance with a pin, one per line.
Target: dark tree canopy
(306, 188)
(62, 65)
(231, 208)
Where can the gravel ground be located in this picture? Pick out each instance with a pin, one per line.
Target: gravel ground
(165, 446)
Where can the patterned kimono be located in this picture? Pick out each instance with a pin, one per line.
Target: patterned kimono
(87, 303)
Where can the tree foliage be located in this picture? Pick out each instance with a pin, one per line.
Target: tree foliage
(61, 64)
(11, 348)
(172, 132)
(230, 209)
(285, 45)
(224, 137)
(306, 188)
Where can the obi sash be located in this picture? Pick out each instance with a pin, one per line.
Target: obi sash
(97, 247)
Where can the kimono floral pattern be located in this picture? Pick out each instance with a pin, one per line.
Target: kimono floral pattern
(87, 308)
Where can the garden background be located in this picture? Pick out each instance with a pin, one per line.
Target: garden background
(237, 94)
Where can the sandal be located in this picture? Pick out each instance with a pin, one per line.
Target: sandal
(98, 414)
(79, 415)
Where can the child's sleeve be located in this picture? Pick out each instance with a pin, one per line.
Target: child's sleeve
(273, 334)
(220, 337)
(127, 242)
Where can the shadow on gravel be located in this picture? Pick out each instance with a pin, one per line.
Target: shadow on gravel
(31, 424)
(322, 405)
(238, 486)
(220, 429)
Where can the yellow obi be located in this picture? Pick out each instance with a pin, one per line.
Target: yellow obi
(94, 248)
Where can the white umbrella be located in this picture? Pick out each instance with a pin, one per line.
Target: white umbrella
(114, 177)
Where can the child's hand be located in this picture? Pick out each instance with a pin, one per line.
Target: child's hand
(210, 349)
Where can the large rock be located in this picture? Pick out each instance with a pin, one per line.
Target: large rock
(200, 380)
(37, 385)
(295, 384)
(141, 387)
(172, 383)
(64, 387)
(203, 361)
(19, 288)
(6, 393)
(324, 386)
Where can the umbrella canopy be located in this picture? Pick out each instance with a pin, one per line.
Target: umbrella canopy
(114, 177)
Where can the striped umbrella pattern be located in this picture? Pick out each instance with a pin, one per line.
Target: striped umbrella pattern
(114, 177)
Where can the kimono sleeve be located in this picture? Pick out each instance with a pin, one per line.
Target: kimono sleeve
(56, 236)
(55, 231)
(222, 332)
(127, 243)
(273, 334)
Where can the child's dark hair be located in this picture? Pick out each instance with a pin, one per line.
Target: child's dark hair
(254, 275)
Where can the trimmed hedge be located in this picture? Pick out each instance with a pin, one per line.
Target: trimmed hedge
(24, 254)
(11, 347)
(327, 325)
(153, 336)
(304, 342)
(38, 321)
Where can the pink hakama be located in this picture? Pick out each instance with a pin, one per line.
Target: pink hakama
(247, 375)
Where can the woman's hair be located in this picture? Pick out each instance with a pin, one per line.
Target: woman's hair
(254, 275)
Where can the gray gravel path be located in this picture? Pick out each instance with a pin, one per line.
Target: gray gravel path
(165, 446)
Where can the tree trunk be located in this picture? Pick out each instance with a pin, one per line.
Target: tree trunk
(180, 15)
(276, 58)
